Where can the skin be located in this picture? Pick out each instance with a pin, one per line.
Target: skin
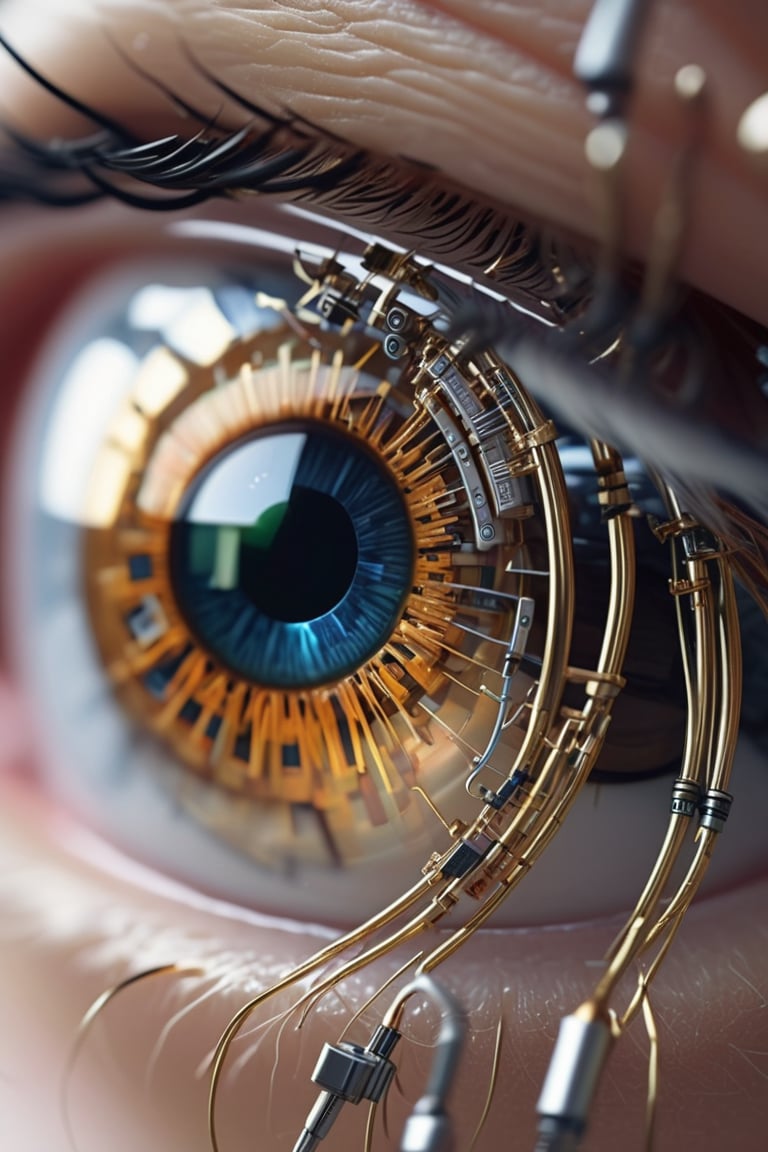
(452, 83)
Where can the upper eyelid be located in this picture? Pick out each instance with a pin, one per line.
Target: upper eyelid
(292, 158)
(491, 103)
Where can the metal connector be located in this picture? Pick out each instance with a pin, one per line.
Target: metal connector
(714, 808)
(574, 1070)
(604, 60)
(347, 1073)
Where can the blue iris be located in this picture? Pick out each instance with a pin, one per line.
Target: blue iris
(292, 555)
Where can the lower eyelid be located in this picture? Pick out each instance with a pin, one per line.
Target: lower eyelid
(106, 928)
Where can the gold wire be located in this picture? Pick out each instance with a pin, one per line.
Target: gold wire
(431, 805)
(369, 1126)
(329, 952)
(610, 662)
(714, 685)
(311, 999)
(710, 744)
(557, 749)
(379, 991)
(310, 1005)
(649, 975)
(653, 1068)
(89, 1018)
(727, 673)
(491, 1086)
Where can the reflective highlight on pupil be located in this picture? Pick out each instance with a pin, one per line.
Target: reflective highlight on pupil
(280, 564)
(292, 556)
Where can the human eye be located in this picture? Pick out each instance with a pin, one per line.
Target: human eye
(524, 953)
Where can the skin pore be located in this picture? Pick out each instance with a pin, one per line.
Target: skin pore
(483, 92)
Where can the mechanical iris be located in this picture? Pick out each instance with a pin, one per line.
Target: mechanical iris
(292, 555)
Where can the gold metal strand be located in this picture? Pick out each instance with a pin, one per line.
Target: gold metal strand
(496, 1064)
(379, 992)
(713, 683)
(369, 1126)
(92, 1014)
(653, 1069)
(701, 684)
(306, 968)
(596, 712)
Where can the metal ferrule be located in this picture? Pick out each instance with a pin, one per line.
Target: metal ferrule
(427, 1129)
(714, 808)
(347, 1074)
(344, 1069)
(577, 1061)
(322, 1117)
(384, 1040)
(686, 795)
(605, 55)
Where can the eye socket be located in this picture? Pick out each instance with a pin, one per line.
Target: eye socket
(126, 784)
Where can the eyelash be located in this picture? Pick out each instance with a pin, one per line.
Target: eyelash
(297, 161)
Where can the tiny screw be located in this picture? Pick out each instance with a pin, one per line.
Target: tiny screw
(395, 347)
(397, 319)
(487, 532)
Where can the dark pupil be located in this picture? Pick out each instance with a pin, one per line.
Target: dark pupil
(299, 560)
(292, 556)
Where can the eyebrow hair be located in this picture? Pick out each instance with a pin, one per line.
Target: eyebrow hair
(287, 156)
